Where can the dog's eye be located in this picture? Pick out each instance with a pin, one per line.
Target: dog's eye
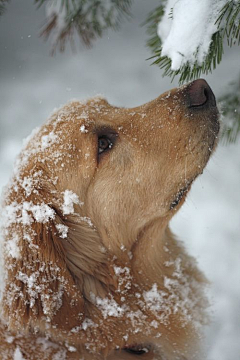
(104, 143)
(106, 140)
(136, 350)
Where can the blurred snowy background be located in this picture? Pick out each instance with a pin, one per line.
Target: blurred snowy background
(32, 84)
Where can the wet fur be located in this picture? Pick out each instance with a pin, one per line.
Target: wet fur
(128, 195)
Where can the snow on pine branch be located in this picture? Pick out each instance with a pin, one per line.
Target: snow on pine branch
(187, 34)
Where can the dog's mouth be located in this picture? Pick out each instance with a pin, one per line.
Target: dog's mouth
(181, 194)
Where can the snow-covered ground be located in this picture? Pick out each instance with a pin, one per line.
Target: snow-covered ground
(33, 84)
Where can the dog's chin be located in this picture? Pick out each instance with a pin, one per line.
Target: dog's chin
(181, 194)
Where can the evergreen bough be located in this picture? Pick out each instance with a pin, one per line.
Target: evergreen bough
(230, 106)
(3, 6)
(89, 18)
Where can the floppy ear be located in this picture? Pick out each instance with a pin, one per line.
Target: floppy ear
(38, 284)
(86, 257)
(52, 263)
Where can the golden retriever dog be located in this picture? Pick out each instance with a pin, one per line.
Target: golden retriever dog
(91, 268)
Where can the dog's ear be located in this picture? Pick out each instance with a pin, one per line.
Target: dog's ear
(86, 257)
(39, 289)
(52, 264)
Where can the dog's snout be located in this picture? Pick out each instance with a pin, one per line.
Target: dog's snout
(200, 94)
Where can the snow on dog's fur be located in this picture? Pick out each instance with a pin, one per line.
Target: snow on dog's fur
(92, 270)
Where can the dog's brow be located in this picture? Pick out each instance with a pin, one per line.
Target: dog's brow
(105, 130)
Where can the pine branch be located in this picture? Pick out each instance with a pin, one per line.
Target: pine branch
(151, 22)
(230, 105)
(89, 18)
(188, 71)
(3, 6)
(228, 24)
(230, 14)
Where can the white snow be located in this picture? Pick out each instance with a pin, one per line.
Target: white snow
(186, 34)
(18, 354)
(108, 307)
(48, 140)
(87, 220)
(42, 213)
(83, 129)
(154, 298)
(69, 199)
(26, 212)
(60, 355)
(63, 230)
(70, 348)
(11, 247)
(86, 324)
(27, 184)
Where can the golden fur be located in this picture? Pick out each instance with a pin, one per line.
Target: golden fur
(118, 278)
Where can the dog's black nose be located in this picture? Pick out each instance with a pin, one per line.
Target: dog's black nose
(200, 94)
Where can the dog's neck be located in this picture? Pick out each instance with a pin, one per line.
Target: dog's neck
(159, 280)
(150, 251)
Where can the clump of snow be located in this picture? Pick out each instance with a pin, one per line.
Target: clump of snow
(108, 306)
(87, 220)
(154, 324)
(124, 278)
(69, 199)
(27, 184)
(85, 325)
(70, 348)
(12, 248)
(18, 354)
(60, 355)
(186, 35)
(26, 212)
(154, 298)
(42, 213)
(9, 339)
(63, 230)
(83, 129)
(48, 140)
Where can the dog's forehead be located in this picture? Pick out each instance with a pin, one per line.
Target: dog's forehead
(97, 113)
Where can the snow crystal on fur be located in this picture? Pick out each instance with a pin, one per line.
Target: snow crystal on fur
(69, 199)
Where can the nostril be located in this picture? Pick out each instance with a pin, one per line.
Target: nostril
(200, 94)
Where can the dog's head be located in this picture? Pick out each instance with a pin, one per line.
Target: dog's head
(87, 213)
